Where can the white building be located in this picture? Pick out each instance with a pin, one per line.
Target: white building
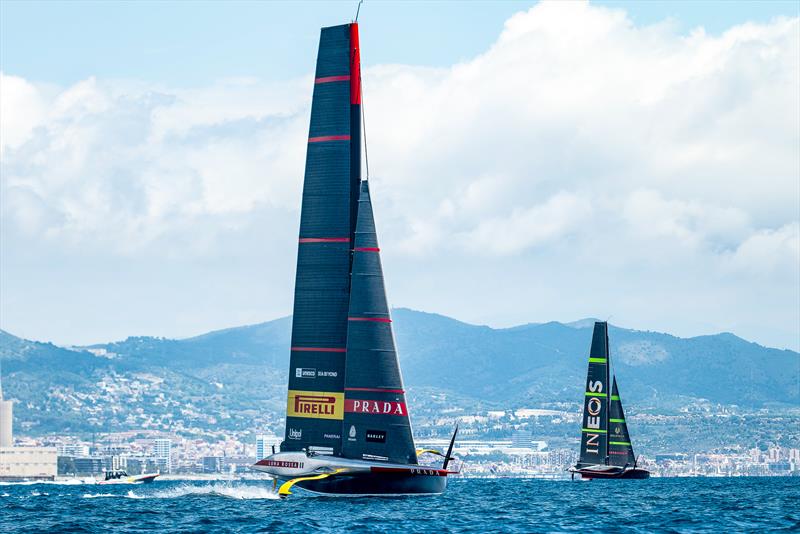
(521, 439)
(72, 449)
(22, 463)
(264, 444)
(162, 450)
(6, 420)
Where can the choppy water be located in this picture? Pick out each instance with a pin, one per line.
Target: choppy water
(500, 505)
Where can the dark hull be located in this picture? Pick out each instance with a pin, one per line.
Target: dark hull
(630, 474)
(377, 484)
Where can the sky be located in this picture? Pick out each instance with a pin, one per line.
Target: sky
(631, 161)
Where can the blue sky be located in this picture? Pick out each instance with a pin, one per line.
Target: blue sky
(531, 162)
(187, 43)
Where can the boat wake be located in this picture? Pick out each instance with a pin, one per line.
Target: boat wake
(230, 491)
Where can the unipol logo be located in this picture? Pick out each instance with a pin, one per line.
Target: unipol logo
(375, 407)
(295, 434)
(594, 407)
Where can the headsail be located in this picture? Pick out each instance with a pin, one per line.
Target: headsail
(315, 407)
(620, 450)
(376, 423)
(594, 431)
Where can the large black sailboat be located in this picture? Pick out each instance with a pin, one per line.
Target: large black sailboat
(606, 450)
(347, 422)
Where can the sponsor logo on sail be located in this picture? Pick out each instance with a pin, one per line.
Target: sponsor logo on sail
(295, 434)
(331, 436)
(302, 372)
(593, 408)
(328, 374)
(315, 404)
(352, 434)
(375, 407)
(376, 436)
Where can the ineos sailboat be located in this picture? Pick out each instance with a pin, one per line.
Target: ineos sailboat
(606, 450)
(347, 422)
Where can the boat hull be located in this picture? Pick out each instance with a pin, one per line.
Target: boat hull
(136, 479)
(377, 484)
(629, 474)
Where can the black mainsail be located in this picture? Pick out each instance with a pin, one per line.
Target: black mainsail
(606, 450)
(315, 406)
(594, 430)
(376, 424)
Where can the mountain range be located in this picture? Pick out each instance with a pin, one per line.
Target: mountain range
(235, 378)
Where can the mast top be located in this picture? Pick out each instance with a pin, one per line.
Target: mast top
(358, 9)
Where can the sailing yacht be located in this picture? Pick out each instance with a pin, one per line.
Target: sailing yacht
(348, 430)
(606, 450)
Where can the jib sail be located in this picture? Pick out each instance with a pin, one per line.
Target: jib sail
(594, 431)
(620, 451)
(376, 424)
(316, 403)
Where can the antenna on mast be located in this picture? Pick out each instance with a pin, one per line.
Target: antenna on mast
(358, 9)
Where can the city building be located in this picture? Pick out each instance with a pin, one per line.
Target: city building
(521, 439)
(264, 444)
(6, 420)
(22, 463)
(72, 449)
(212, 464)
(162, 450)
(90, 465)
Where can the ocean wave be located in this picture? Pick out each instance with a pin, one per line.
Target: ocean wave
(231, 491)
(66, 482)
(99, 495)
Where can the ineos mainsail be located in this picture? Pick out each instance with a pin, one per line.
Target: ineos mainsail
(347, 422)
(606, 450)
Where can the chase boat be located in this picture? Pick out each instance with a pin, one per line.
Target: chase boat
(119, 476)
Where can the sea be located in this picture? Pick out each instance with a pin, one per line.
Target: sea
(468, 505)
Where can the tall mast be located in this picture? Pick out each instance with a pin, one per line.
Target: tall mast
(610, 392)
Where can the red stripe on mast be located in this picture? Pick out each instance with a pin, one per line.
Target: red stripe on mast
(355, 65)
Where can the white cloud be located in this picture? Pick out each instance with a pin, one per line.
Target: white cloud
(576, 135)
